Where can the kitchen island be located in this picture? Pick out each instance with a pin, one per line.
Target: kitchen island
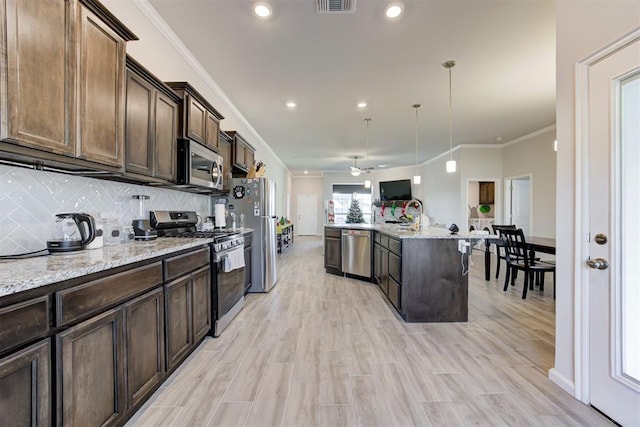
(422, 273)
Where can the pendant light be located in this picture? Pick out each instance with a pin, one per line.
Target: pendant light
(451, 164)
(417, 178)
(367, 182)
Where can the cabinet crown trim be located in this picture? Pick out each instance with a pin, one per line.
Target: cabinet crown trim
(187, 88)
(109, 18)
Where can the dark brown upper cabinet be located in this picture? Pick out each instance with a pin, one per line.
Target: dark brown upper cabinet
(151, 124)
(486, 193)
(63, 63)
(224, 149)
(198, 120)
(243, 153)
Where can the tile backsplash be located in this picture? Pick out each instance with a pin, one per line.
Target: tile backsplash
(30, 199)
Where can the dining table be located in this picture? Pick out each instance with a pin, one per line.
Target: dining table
(545, 245)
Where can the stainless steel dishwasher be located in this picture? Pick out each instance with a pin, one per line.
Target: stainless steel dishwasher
(356, 252)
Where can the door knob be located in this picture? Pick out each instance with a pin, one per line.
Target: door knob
(599, 263)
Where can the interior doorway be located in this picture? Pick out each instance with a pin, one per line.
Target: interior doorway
(518, 202)
(307, 209)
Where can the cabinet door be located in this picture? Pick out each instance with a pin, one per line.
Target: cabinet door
(144, 326)
(238, 154)
(394, 293)
(139, 125)
(384, 271)
(166, 128)
(377, 263)
(38, 105)
(201, 288)
(394, 267)
(25, 387)
(196, 120)
(179, 322)
(247, 266)
(332, 253)
(224, 149)
(90, 371)
(248, 157)
(101, 97)
(213, 131)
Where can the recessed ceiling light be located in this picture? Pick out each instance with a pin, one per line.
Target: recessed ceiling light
(306, 172)
(362, 104)
(498, 139)
(393, 10)
(291, 104)
(262, 9)
(382, 166)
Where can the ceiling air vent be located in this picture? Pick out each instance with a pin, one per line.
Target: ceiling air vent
(335, 6)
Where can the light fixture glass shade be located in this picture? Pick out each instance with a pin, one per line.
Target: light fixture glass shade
(367, 183)
(451, 166)
(417, 179)
(355, 172)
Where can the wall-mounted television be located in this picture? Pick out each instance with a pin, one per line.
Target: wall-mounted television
(395, 190)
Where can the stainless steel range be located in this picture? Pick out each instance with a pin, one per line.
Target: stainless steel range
(227, 262)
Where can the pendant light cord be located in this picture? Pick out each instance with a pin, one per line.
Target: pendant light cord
(450, 118)
(416, 106)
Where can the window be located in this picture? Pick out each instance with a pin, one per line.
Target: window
(342, 195)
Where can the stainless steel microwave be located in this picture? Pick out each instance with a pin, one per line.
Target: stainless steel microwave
(199, 166)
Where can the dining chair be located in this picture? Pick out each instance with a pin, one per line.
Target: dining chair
(499, 245)
(519, 257)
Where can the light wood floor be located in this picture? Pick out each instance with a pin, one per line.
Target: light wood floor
(322, 350)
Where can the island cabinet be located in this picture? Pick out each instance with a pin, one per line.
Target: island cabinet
(242, 153)
(63, 62)
(198, 120)
(387, 253)
(224, 149)
(188, 304)
(151, 125)
(333, 250)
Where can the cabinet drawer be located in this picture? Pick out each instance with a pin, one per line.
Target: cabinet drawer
(183, 264)
(23, 322)
(332, 232)
(395, 246)
(83, 300)
(384, 241)
(376, 237)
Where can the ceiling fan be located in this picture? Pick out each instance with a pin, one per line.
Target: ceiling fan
(355, 170)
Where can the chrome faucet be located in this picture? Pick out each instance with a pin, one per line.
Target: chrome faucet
(418, 220)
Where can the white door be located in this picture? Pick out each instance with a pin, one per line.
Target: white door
(612, 196)
(521, 204)
(307, 215)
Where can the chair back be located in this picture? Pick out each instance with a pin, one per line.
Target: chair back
(515, 246)
(498, 228)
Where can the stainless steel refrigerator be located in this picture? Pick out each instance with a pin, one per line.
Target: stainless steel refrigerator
(255, 198)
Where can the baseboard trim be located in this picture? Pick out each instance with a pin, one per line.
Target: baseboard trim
(563, 382)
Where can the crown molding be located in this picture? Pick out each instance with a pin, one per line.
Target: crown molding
(529, 135)
(149, 11)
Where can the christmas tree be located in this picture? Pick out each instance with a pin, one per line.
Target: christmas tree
(355, 213)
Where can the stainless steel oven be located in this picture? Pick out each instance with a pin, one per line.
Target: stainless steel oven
(198, 166)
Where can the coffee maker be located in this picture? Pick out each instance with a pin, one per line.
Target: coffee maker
(141, 226)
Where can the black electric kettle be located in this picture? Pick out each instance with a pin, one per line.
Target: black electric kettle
(73, 232)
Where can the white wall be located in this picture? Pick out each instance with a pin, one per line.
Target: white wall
(582, 27)
(536, 157)
(161, 52)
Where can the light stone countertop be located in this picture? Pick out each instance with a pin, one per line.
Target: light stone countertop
(399, 231)
(30, 273)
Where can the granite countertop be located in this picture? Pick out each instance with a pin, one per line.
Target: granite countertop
(30, 273)
(406, 231)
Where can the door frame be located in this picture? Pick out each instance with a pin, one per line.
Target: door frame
(582, 217)
(507, 198)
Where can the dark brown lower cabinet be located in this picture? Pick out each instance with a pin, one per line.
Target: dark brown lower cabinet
(179, 323)
(201, 288)
(25, 386)
(90, 371)
(188, 313)
(144, 326)
(332, 250)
